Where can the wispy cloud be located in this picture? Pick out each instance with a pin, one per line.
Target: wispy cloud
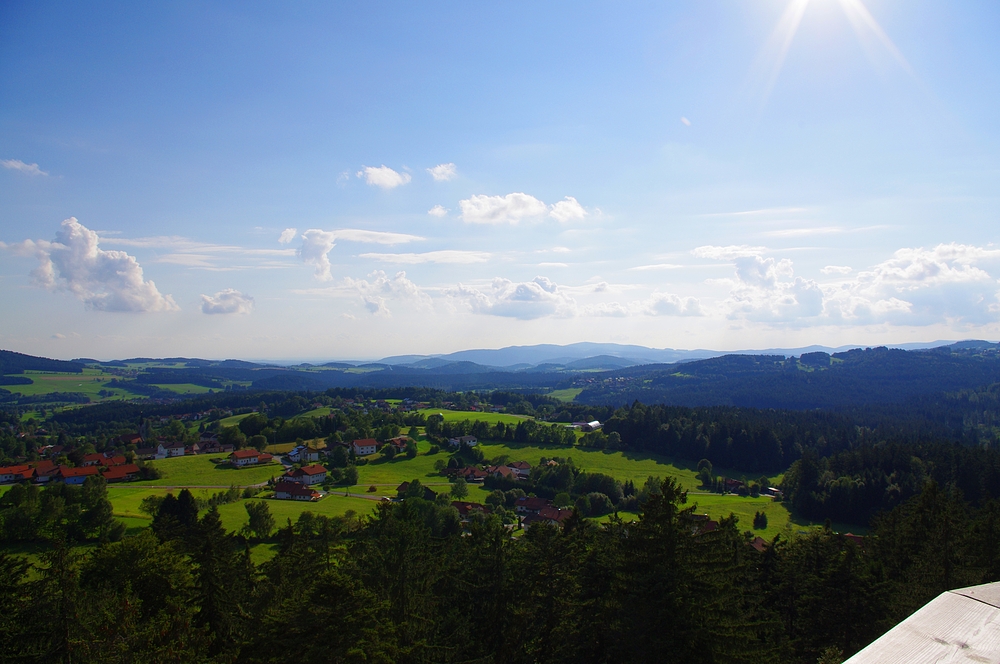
(759, 212)
(317, 244)
(836, 269)
(438, 211)
(443, 172)
(449, 256)
(383, 176)
(656, 266)
(18, 165)
(287, 236)
(803, 232)
(685, 122)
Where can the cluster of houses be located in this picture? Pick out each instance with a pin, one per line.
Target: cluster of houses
(112, 467)
(297, 484)
(366, 446)
(515, 470)
(208, 443)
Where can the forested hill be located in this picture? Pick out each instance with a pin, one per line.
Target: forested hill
(815, 380)
(16, 363)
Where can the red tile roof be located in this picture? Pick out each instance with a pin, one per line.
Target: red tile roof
(121, 472)
(245, 454)
(65, 471)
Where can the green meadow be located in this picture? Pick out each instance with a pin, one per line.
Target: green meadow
(90, 382)
(202, 471)
(567, 394)
(460, 415)
(183, 388)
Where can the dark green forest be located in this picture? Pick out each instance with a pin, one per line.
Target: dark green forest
(412, 583)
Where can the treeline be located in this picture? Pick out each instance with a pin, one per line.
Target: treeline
(525, 431)
(855, 485)
(412, 583)
(59, 511)
(817, 380)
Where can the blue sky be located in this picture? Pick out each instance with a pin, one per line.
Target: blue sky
(355, 181)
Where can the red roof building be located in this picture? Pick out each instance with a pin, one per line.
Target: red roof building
(76, 475)
(122, 473)
(295, 491)
(306, 475)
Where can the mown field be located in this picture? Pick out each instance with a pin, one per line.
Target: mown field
(183, 388)
(190, 471)
(90, 382)
(460, 415)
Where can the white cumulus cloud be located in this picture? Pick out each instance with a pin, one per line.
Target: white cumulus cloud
(380, 288)
(103, 280)
(383, 176)
(287, 235)
(527, 300)
(18, 165)
(512, 208)
(947, 284)
(443, 172)
(228, 301)
(509, 209)
(566, 210)
(438, 211)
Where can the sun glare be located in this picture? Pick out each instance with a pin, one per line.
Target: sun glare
(771, 58)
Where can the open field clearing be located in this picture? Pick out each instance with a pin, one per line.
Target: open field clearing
(472, 416)
(200, 471)
(567, 394)
(90, 382)
(234, 515)
(233, 420)
(183, 388)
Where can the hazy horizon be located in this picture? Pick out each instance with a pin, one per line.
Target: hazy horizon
(341, 181)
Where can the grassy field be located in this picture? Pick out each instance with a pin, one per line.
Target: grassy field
(183, 388)
(233, 420)
(234, 515)
(90, 382)
(460, 415)
(200, 471)
(567, 394)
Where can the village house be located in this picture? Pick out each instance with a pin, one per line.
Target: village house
(531, 505)
(295, 491)
(130, 439)
(467, 510)
(399, 443)
(213, 446)
(304, 453)
(462, 440)
(165, 450)
(314, 474)
(365, 446)
(522, 469)
(550, 515)
(405, 486)
(123, 473)
(102, 460)
(76, 475)
(502, 472)
(16, 473)
(145, 453)
(248, 457)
